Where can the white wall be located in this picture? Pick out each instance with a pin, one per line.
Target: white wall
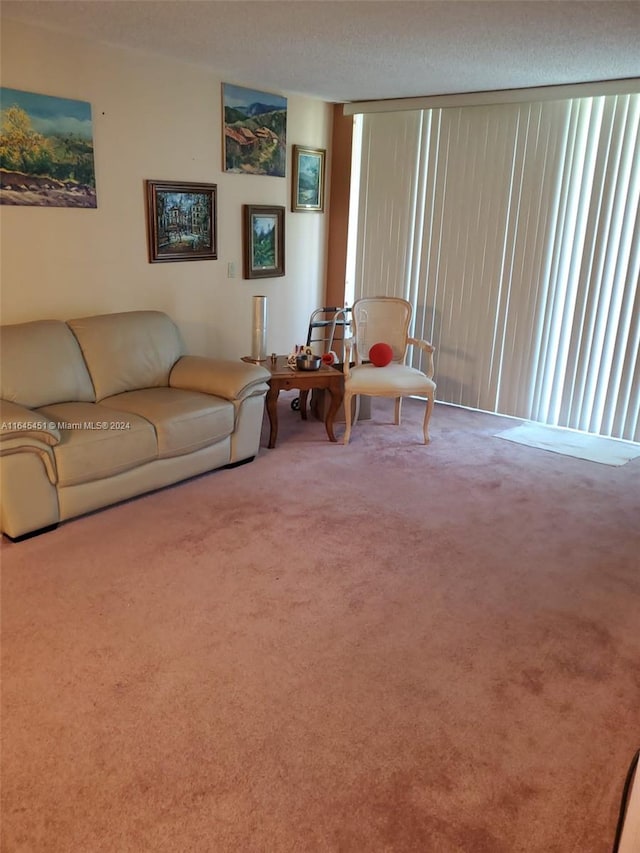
(156, 119)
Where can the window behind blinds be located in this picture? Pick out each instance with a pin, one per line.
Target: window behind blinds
(514, 231)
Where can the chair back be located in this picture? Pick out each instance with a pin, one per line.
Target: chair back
(381, 319)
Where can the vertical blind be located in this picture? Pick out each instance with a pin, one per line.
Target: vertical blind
(514, 231)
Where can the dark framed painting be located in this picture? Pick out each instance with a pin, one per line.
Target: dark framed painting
(181, 221)
(308, 179)
(46, 151)
(263, 241)
(255, 131)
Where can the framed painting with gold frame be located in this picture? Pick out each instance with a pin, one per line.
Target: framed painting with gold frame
(308, 180)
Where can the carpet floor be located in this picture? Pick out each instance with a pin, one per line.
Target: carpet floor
(378, 647)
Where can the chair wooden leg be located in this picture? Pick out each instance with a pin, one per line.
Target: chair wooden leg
(427, 418)
(347, 417)
(398, 410)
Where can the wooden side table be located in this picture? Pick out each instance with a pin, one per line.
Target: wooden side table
(283, 378)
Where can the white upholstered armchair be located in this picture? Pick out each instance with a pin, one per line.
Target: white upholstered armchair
(385, 320)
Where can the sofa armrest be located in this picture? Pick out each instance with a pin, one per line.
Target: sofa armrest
(19, 422)
(232, 380)
(22, 446)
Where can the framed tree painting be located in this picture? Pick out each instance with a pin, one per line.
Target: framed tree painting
(46, 151)
(181, 221)
(263, 241)
(308, 179)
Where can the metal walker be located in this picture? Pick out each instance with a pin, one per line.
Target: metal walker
(330, 321)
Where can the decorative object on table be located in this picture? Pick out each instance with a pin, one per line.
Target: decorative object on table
(296, 352)
(308, 180)
(259, 329)
(255, 131)
(330, 358)
(43, 165)
(308, 362)
(263, 241)
(181, 221)
(380, 354)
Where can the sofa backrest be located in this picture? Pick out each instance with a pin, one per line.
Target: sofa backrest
(128, 351)
(41, 364)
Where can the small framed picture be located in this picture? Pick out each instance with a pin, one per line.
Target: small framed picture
(308, 180)
(263, 241)
(181, 221)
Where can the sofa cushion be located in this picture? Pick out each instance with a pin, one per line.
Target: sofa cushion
(98, 442)
(394, 380)
(184, 420)
(124, 352)
(42, 364)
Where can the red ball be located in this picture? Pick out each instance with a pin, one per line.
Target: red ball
(380, 354)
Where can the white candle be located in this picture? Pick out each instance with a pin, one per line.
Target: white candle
(259, 329)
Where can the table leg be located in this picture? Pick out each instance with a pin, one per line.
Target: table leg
(337, 395)
(304, 396)
(272, 410)
(317, 397)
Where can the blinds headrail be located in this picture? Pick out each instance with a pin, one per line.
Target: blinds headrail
(625, 86)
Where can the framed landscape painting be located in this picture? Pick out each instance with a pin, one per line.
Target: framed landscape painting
(255, 131)
(308, 179)
(263, 241)
(181, 221)
(46, 151)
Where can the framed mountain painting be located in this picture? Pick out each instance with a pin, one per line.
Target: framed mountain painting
(308, 179)
(255, 131)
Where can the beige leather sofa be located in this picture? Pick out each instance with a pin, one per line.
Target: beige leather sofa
(100, 409)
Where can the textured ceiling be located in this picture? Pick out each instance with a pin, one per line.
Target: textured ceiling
(351, 51)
